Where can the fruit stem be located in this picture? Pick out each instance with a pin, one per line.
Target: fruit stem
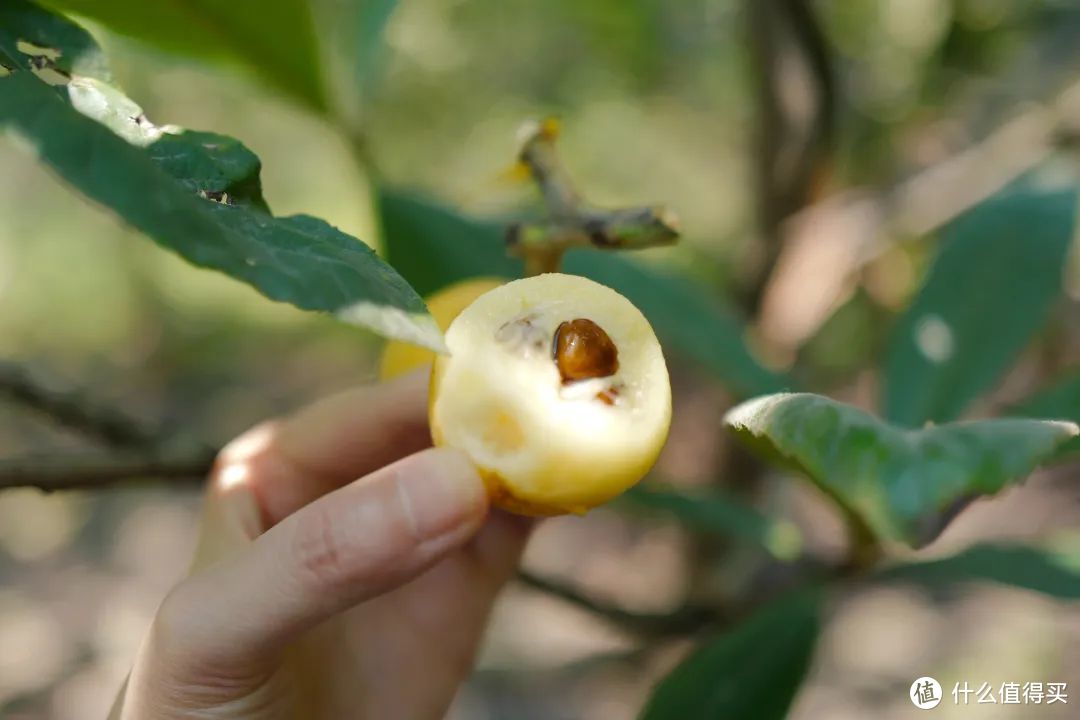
(543, 260)
(572, 222)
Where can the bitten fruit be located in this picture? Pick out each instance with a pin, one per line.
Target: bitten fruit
(556, 388)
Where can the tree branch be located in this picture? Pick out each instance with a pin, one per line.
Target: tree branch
(91, 471)
(99, 470)
(140, 456)
(71, 408)
(138, 451)
(822, 135)
(794, 137)
(683, 620)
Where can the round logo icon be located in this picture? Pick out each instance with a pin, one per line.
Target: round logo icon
(925, 693)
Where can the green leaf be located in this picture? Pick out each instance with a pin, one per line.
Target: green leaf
(296, 259)
(752, 671)
(433, 246)
(902, 484)
(995, 277)
(1061, 401)
(28, 31)
(275, 39)
(1053, 573)
(717, 514)
(206, 162)
(212, 164)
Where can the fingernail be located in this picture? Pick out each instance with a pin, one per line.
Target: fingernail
(440, 490)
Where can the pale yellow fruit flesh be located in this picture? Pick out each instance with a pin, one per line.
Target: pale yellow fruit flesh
(545, 446)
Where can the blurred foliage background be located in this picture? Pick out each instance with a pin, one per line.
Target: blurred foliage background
(659, 100)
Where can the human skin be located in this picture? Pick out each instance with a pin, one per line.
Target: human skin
(315, 594)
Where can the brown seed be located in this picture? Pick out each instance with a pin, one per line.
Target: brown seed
(582, 350)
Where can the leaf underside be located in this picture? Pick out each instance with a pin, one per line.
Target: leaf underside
(903, 484)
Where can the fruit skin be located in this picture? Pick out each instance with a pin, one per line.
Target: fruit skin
(496, 406)
(399, 358)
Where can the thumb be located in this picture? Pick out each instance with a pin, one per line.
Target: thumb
(352, 544)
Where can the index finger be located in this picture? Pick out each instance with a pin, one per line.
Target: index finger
(288, 463)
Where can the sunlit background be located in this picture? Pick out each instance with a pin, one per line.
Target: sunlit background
(657, 104)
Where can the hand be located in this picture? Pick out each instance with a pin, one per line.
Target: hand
(317, 595)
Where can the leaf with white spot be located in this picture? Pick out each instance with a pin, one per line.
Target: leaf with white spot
(102, 102)
(901, 485)
(196, 193)
(29, 33)
(991, 286)
(300, 260)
